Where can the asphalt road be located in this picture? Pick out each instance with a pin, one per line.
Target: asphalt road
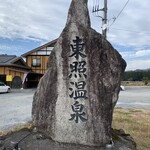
(134, 97)
(15, 107)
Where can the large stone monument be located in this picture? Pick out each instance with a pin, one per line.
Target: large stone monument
(75, 99)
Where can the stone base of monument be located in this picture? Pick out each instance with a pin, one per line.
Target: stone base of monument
(26, 139)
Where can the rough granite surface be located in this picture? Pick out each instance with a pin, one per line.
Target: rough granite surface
(52, 105)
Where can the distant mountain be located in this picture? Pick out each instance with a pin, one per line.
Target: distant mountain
(142, 69)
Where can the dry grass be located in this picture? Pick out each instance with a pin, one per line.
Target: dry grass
(134, 83)
(136, 122)
(1, 133)
(27, 125)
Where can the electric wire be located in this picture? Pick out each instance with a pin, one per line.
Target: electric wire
(126, 30)
(119, 13)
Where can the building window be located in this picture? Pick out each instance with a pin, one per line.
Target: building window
(36, 62)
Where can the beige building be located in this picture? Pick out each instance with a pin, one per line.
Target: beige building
(37, 60)
(17, 73)
(13, 70)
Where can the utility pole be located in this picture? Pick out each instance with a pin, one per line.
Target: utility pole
(104, 18)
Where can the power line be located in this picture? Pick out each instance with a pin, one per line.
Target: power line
(96, 10)
(126, 30)
(122, 9)
(119, 13)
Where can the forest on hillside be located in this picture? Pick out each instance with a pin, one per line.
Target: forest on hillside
(137, 75)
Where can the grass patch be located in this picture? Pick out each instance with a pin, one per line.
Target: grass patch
(27, 125)
(135, 122)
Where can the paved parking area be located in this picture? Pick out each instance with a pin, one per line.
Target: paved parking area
(15, 107)
(134, 97)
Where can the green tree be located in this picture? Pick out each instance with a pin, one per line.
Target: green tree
(145, 80)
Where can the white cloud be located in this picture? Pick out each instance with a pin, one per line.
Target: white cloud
(44, 20)
(132, 26)
(136, 54)
(23, 19)
(142, 53)
(12, 49)
(137, 59)
(138, 64)
(6, 47)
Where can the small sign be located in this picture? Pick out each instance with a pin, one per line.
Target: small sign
(104, 26)
(9, 78)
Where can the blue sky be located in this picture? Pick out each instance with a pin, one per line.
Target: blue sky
(26, 24)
